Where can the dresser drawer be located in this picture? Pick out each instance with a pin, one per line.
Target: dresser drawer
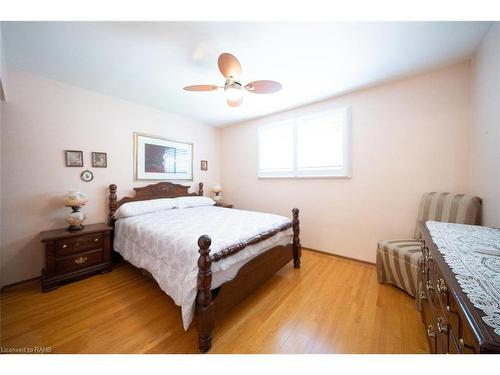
(453, 345)
(78, 261)
(429, 325)
(79, 244)
(441, 289)
(461, 330)
(430, 288)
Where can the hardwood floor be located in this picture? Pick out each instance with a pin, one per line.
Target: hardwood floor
(331, 305)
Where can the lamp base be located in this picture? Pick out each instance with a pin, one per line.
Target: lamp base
(217, 198)
(74, 228)
(75, 219)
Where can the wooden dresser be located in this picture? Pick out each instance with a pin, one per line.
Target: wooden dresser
(453, 323)
(73, 255)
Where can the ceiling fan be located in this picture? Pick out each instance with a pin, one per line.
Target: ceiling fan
(230, 68)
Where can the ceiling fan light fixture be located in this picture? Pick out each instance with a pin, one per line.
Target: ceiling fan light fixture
(234, 94)
(234, 103)
(230, 68)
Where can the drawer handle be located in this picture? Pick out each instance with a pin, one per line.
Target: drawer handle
(429, 286)
(423, 268)
(64, 246)
(441, 286)
(449, 310)
(430, 331)
(462, 345)
(96, 239)
(442, 326)
(80, 260)
(427, 253)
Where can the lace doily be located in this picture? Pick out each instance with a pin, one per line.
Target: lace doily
(478, 274)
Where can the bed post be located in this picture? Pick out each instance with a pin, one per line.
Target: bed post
(296, 239)
(200, 189)
(204, 306)
(112, 203)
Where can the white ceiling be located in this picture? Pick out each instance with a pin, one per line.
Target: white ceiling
(150, 62)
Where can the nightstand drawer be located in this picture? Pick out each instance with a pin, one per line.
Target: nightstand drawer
(78, 261)
(79, 244)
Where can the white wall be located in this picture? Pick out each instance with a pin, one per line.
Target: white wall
(44, 117)
(409, 137)
(3, 64)
(485, 133)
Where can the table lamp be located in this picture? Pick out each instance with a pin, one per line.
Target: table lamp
(217, 189)
(75, 200)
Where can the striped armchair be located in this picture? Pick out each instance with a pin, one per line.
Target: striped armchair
(398, 260)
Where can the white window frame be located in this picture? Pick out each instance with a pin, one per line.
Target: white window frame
(342, 172)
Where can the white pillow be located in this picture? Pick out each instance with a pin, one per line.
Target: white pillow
(185, 202)
(144, 207)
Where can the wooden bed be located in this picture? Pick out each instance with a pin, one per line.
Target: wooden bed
(211, 304)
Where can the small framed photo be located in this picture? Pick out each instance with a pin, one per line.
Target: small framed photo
(99, 160)
(73, 158)
(204, 165)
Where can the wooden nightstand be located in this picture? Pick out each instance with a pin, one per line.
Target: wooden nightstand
(225, 205)
(74, 255)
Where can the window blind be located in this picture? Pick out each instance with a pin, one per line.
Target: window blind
(316, 145)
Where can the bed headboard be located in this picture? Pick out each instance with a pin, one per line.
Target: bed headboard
(153, 191)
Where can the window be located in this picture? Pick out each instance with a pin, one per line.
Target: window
(316, 145)
(276, 144)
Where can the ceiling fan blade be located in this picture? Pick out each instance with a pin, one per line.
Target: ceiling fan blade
(229, 66)
(201, 88)
(263, 87)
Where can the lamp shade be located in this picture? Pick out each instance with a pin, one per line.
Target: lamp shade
(75, 199)
(217, 188)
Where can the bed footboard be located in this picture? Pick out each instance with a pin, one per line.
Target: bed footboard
(204, 304)
(297, 248)
(205, 307)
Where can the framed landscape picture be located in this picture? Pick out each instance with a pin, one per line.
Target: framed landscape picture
(162, 159)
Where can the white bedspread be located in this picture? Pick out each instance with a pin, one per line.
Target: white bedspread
(165, 244)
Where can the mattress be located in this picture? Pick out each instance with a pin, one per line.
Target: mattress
(165, 244)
